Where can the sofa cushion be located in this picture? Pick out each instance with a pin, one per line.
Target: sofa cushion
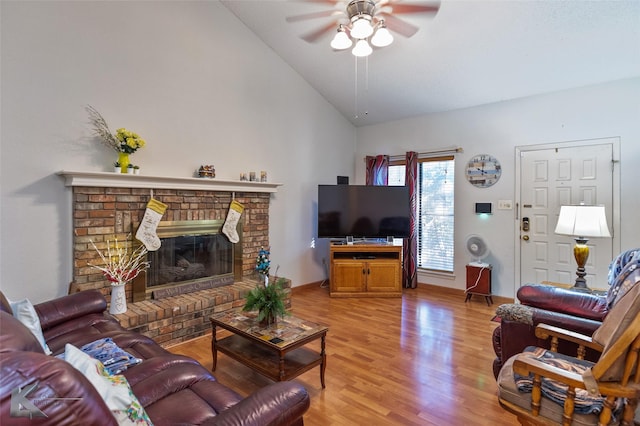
(24, 312)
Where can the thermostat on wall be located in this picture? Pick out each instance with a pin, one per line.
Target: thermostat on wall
(483, 208)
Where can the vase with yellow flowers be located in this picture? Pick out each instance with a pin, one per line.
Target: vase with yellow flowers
(124, 142)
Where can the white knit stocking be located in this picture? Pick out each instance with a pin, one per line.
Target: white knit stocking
(231, 223)
(147, 230)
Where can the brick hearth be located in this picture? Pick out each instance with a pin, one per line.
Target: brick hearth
(178, 318)
(104, 212)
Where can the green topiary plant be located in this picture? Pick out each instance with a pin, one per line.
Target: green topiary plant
(268, 300)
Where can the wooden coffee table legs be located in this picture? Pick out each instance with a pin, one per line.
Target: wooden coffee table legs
(214, 349)
(323, 365)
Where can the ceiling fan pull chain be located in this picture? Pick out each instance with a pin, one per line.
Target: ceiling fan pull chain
(355, 58)
(366, 86)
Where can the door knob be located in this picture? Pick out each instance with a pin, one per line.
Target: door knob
(525, 237)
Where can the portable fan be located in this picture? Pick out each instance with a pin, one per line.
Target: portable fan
(477, 248)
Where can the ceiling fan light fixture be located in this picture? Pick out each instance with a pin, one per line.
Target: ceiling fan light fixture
(382, 37)
(362, 49)
(361, 27)
(341, 40)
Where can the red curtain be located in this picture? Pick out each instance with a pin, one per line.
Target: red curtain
(378, 170)
(410, 245)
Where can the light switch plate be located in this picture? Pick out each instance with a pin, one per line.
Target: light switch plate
(505, 204)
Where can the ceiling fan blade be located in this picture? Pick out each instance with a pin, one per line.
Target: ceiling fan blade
(399, 26)
(313, 15)
(414, 8)
(315, 1)
(315, 35)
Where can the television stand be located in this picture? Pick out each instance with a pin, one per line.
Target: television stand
(365, 270)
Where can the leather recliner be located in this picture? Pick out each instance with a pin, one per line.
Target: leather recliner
(571, 309)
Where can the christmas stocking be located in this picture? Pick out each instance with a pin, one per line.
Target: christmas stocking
(147, 230)
(229, 228)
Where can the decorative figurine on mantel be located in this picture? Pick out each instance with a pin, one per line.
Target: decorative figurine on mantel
(208, 171)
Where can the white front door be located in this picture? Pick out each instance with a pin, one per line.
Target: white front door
(550, 178)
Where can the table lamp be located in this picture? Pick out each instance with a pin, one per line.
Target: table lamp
(581, 222)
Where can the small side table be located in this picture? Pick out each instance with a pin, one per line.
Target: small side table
(479, 282)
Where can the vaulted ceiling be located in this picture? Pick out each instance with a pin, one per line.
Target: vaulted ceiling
(470, 53)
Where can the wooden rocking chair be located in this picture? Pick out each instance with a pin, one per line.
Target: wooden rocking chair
(559, 389)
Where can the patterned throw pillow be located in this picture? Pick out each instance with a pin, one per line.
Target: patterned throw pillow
(626, 270)
(619, 263)
(114, 359)
(114, 390)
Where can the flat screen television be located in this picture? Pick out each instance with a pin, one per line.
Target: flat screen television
(363, 212)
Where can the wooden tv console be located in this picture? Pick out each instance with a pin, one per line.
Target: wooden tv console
(365, 270)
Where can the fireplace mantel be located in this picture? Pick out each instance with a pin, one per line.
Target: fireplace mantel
(124, 180)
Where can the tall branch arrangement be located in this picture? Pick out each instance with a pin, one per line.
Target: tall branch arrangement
(119, 265)
(123, 141)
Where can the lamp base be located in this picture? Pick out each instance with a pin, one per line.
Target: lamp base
(581, 254)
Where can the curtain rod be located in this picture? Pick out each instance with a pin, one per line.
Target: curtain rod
(427, 154)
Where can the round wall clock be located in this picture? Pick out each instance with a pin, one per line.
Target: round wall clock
(483, 170)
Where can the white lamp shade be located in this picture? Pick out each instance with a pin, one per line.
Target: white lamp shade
(382, 37)
(582, 221)
(341, 41)
(361, 28)
(361, 49)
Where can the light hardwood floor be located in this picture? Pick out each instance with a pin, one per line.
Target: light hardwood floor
(423, 359)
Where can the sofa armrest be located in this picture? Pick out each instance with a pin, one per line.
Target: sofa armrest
(61, 392)
(562, 300)
(65, 308)
(282, 404)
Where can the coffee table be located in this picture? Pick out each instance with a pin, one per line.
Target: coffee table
(276, 351)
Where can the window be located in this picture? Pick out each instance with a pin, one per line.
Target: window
(434, 210)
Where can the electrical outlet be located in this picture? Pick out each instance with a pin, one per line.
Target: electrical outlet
(505, 204)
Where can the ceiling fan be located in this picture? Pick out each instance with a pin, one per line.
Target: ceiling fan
(364, 22)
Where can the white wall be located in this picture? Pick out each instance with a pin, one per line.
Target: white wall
(187, 76)
(201, 88)
(607, 110)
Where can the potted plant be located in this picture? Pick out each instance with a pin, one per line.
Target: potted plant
(268, 300)
(136, 170)
(130, 169)
(116, 167)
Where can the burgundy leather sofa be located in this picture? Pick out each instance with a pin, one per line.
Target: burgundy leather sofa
(544, 304)
(173, 389)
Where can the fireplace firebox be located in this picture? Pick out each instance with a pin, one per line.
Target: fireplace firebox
(194, 255)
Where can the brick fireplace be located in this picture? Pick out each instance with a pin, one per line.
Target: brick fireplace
(108, 206)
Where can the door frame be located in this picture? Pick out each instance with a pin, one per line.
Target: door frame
(519, 150)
